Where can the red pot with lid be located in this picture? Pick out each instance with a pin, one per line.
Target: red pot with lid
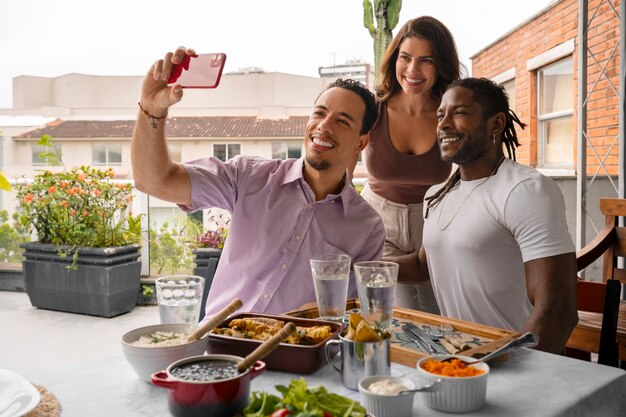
(210, 385)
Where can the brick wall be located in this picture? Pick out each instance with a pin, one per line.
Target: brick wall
(553, 27)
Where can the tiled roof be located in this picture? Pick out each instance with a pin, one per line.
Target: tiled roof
(183, 127)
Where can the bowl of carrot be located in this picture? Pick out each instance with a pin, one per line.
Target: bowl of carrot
(459, 387)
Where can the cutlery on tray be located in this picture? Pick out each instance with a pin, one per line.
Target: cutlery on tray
(448, 337)
(419, 337)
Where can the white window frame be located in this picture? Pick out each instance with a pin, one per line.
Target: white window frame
(45, 149)
(545, 118)
(287, 143)
(226, 145)
(106, 155)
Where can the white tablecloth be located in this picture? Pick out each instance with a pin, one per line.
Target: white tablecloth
(79, 359)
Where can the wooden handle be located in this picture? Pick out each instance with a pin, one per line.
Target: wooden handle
(457, 342)
(215, 320)
(449, 346)
(266, 347)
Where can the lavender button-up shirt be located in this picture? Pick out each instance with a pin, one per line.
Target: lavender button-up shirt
(276, 227)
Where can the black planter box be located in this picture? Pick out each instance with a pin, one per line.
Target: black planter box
(105, 283)
(206, 260)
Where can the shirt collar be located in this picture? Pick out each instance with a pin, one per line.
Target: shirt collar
(295, 174)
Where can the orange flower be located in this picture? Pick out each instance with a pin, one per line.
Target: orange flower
(96, 192)
(64, 184)
(28, 198)
(81, 177)
(64, 203)
(85, 213)
(73, 212)
(52, 189)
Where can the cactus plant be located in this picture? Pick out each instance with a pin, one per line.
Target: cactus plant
(387, 13)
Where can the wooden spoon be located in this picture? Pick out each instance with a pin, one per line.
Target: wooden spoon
(215, 320)
(266, 347)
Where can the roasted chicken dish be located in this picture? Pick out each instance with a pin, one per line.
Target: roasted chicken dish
(262, 328)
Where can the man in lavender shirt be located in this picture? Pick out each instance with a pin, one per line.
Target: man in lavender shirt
(283, 211)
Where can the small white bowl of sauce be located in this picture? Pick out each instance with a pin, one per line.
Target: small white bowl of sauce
(382, 395)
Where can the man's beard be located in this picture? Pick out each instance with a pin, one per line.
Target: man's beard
(476, 149)
(317, 164)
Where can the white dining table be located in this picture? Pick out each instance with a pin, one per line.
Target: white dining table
(79, 359)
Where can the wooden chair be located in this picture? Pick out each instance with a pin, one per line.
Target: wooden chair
(603, 297)
(609, 243)
(600, 297)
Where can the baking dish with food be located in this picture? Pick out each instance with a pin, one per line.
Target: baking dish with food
(303, 358)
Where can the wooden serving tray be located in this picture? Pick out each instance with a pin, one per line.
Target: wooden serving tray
(484, 339)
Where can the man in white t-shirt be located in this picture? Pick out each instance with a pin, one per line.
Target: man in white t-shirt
(496, 243)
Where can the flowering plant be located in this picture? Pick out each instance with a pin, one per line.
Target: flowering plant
(80, 207)
(212, 238)
(218, 224)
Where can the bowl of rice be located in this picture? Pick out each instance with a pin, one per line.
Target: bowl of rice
(460, 388)
(152, 348)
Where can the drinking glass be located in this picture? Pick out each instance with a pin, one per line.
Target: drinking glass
(376, 284)
(331, 274)
(179, 298)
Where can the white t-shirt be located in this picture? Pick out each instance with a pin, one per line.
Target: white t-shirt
(478, 238)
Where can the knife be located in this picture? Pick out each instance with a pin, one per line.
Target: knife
(413, 338)
(432, 346)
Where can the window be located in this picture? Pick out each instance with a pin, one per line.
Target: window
(284, 150)
(509, 87)
(107, 153)
(224, 152)
(555, 129)
(37, 150)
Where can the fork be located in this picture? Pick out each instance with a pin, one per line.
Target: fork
(436, 333)
(446, 328)
(453, 336)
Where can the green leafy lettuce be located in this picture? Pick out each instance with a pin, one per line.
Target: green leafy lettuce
(303, 402)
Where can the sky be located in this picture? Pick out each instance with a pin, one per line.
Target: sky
(124, 37)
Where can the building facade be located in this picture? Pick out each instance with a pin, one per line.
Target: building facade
(354, 68)
(537, 63)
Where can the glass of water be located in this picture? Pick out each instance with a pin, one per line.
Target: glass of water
(376, 284)
(179, 298)
(331, 274)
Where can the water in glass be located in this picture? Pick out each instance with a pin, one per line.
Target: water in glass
(376, 286)
(179, 299)
(331, 275)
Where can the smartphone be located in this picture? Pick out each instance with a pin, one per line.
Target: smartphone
(199, 71)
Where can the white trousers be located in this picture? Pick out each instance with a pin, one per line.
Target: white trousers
(403, 230)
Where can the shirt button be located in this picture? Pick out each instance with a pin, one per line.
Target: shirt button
(310, 206)
(298, 186)
(332, 201)
(284, 266)
(266, 296)
(298, 237)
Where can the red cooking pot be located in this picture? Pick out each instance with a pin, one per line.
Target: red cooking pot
(215, 398)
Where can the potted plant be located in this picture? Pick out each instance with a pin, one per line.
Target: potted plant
(85, 259)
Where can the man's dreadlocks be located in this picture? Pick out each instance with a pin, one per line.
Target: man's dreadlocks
(492, 99)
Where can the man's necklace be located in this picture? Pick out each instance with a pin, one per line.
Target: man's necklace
(465, 199)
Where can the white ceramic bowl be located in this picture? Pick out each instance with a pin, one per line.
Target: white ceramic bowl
(146, 360)
(454, 394)
(381, 405)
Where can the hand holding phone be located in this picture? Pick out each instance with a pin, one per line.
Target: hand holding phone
(199, 71)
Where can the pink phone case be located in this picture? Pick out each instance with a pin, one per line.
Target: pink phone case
(199, 71)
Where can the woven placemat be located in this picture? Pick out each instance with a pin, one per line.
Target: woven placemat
(48, 406)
